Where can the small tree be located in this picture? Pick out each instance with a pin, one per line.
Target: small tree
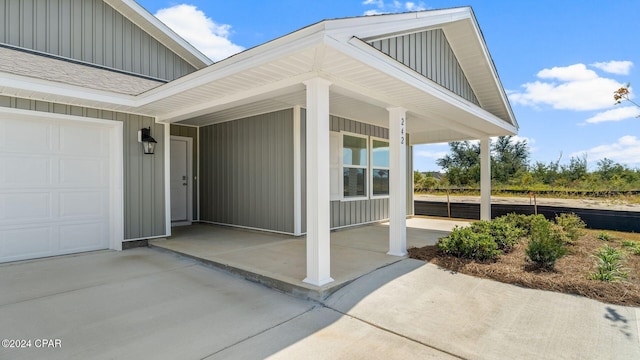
(510, 158)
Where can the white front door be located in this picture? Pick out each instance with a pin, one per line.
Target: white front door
(59, 185)
(181, 180)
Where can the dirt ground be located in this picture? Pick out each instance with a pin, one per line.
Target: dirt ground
(586, 203)
(571, 273)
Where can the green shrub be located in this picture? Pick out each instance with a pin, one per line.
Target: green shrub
(610, 265)
(466, 243)
(504, 233)
(604, 236)
(520, 221)
(572, 225)
(546, 245)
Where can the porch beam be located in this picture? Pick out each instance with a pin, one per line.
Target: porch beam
(485, 178)
(397, 181)
(318, 185)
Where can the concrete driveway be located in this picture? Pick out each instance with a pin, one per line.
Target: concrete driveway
(146, 304)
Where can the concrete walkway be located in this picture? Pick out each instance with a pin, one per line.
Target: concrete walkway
(146, 304)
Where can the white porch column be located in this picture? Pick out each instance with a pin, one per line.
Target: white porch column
(485, 179)
(397, 181)
(318, 185)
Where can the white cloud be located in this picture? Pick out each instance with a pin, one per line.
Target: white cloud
(530, 142)
(576, 72)
(202, 32)
(614, 67)
(431, 154)
(411, 6)
(624, 151)
(383, 7)
(573, 87)
(617, 114)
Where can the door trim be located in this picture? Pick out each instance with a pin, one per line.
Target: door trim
(189, 142)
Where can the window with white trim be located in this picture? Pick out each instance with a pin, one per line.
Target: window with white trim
(379, 167)
(359, 166)
(355, 155)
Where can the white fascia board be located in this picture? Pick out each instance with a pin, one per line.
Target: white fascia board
(494, 71)
(15, 85)
(379, 27)
(257, 93)
(363, 52)
(246, 60)
(141, 17)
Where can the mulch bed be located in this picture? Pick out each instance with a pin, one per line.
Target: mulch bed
(570, 275)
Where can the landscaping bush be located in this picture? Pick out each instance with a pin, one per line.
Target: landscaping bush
(546, 245)
(503, 232)
(610, 265)
(466, 243)
(572, 225)
(520, 221)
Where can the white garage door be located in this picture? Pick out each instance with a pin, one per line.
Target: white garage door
(56, 185)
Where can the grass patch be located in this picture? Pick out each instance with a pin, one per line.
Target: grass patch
(610, 265)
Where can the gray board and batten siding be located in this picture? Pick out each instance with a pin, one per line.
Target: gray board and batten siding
(144, 196)
(247, 174)
(89, 31)
(190, 132)
(429, 53)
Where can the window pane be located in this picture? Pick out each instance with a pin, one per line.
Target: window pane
(380, 153)
(354, 182)
(354, 150)
(380, 182)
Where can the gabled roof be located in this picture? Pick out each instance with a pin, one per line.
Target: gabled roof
(156, 28)
(463, 33)
(365, 81)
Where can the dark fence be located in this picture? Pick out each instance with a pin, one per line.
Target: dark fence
(628, 221)
(546, 193)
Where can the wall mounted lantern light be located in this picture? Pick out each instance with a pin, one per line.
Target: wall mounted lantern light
(148, 143)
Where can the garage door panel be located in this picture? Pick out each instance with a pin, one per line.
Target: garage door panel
(83, 172)
(26, 243)
(83, 204)
(22, 170)
(24, 206)
(25, 136)
(82, 237)
(87, 140)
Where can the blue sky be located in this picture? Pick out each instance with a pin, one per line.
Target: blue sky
(559, 60)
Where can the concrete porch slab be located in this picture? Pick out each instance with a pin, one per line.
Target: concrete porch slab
(279, 261)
